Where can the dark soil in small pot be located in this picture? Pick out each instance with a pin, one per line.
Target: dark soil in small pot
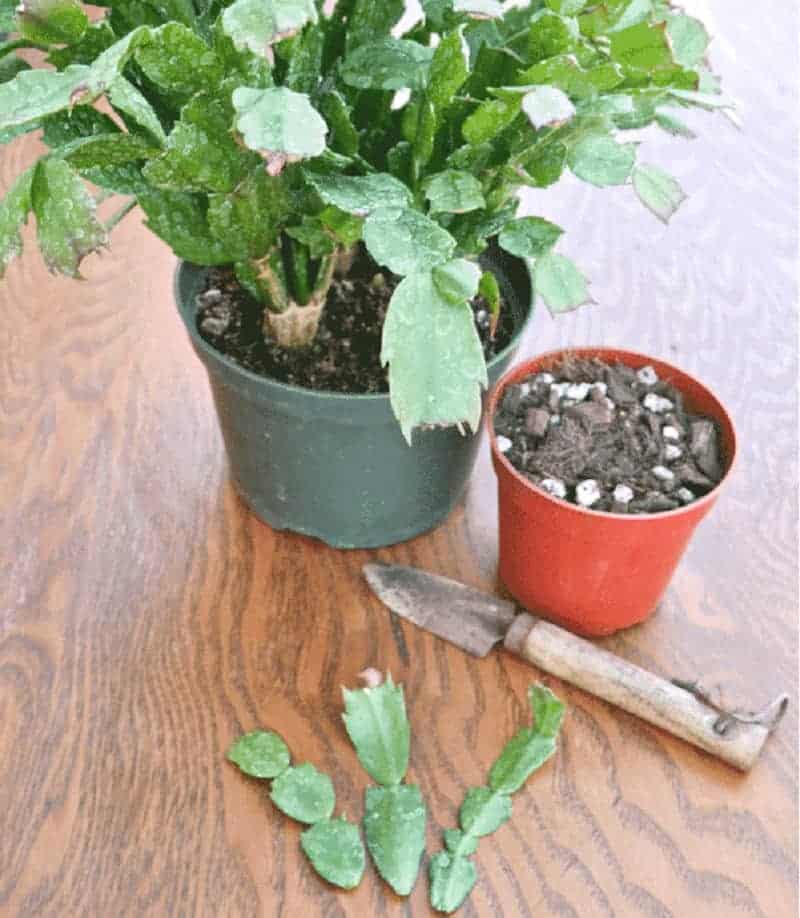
(600, 490)
(324, 462)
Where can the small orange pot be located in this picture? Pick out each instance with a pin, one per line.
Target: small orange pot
(590, 571)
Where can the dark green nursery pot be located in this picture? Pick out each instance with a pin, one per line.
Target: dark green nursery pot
(336, 466)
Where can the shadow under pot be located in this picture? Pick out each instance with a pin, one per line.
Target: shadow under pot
(335, 466)
(590, 571)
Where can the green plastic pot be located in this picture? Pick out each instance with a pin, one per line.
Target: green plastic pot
(336, 466)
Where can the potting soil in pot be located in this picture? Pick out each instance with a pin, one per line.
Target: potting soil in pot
(345, 355)
(608, 437)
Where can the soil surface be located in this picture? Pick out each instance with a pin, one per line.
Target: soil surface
(607, 437)
(345, 355)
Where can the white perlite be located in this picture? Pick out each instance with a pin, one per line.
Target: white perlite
(657, 403)
(587, 492)
(525, 388)
(578, 391)
(623, 494)
(560, 388)
(609, 403)
(555, 487)
(503, 443)
(662, 473)
(601, 387)
(555, 420)
(647, 375)
(672, 452)
(668, 432)
(544, 378)
(684, 495)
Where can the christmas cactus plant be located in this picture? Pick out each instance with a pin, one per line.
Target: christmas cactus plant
(276, 135)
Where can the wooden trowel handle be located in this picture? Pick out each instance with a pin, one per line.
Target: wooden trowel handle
(639, 692)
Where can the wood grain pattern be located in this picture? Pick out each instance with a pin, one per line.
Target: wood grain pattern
(146, 619)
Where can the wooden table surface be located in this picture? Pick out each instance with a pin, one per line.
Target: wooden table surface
(147, 619)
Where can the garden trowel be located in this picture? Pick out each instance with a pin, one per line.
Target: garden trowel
(476, 621)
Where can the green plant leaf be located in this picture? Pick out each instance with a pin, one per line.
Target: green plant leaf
(10, 66)
(66, 225)
(405, 240)
(599, 159)
(336, 852)
(376, 723)
(361, 194)
(64, 127)
(484, 811)
(394, 825)
(449, 70)
(479, 9)
(673, 125)
(279, 124)
(658, 191)
(457, 280)
(33, 94)
(179, 61)
(200, 154)
(8, 15)
(126, 98)
(544, 165)
(460, 843)
(248, 219)
(51, 21)
(551, 34)
(490, 118)
(258, 24)
(547, 106)
(262, 754)
(529, 237)
(311, 232)
(454, 192)
(642, 46)
(548, 710)
(304, 794)
(180, 219)
(522, 755)
(305, 65)
(14, 210)
(106, 150)
(566, 74)
(345, 227)
(559, 283)
(390, 63)
(452, 880)
(371, 20)
(489, 289)
(435, 357)
(96, 39)
(343, 134)
(688, 39)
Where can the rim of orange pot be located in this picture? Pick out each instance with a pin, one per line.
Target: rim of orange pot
(525, 368)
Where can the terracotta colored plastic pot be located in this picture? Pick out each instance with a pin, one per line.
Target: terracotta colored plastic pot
(589, 571)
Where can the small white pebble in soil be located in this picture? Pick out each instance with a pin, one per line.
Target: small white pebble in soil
(669, 432)
(503, 443)
(684, 495)
(578, 391)
(545, 379)
(555, 487)
(623, 494)
(601, 387)
(560, 388)
(662, 473)
(609, 403)
(657, 403)
(647, 375)
(555, 420)
(672, 452)
(524, 388)
(587, 492)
